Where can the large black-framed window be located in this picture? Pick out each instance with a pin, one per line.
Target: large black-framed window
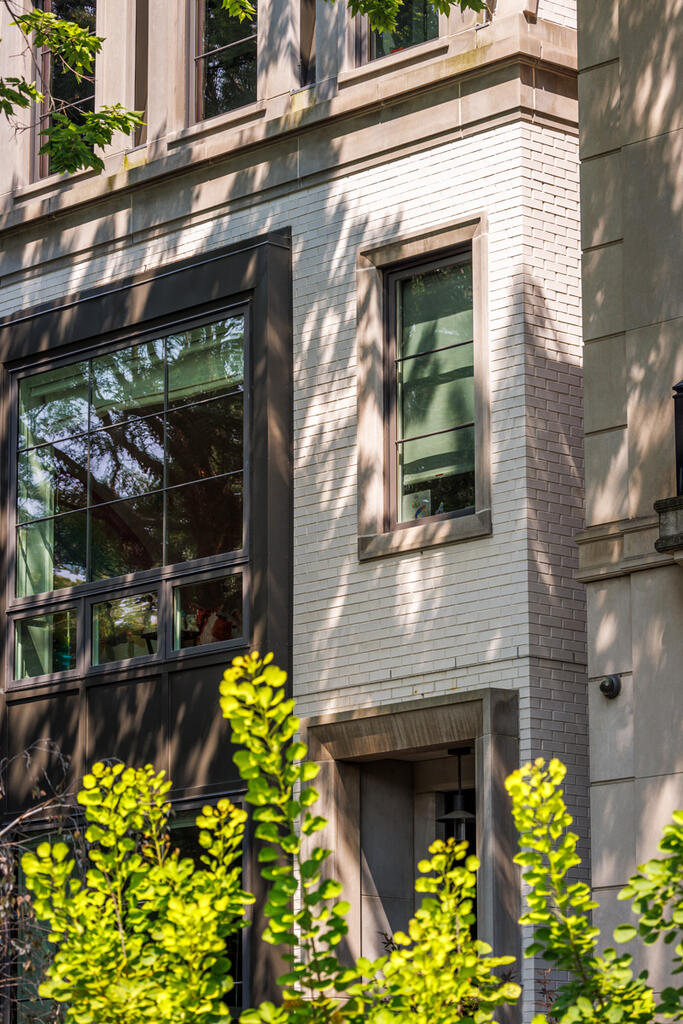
(129, 478)
(225, 60)
(430, 417)
(67, 93)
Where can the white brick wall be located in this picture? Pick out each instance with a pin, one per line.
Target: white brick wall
(561, 11)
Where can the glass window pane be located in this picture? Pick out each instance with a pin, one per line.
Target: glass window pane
(45, 643)
(128, 383)
(228, 79)
(207, 612)
(435, 309)
(416, 22)
(126, 537)
(205, 362)
(219, 28)
(127, 460)
(204, 519)
(126, 628)
(436, 474)
(53, 404)
(51, 554)
(436, 391)
(205, 440)
(52, 479)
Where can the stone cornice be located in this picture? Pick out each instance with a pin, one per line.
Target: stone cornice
(540, 58)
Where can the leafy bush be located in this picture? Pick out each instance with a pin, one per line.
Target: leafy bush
(146, 936)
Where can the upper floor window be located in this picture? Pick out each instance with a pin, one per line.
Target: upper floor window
(225, 60)
(66, 93)
(416, 22)
(431, 391)
(130, 462)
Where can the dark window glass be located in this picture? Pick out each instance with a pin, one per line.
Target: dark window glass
(435, 392)
(127, 460)
(205, 440)
(225, 63)
(207, 612)
(126, 537)
(124, 430)
(71, 95)
(416, 22)
(204, 519)
(123, 629)
(45, 643)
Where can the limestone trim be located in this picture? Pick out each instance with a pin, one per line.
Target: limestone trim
(485, 73)
(375, 538)
(620, 548)
(340, 743)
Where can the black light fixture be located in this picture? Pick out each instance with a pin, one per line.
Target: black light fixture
(610, 686)
(457, 817)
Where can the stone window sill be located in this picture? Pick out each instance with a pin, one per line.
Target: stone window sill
(670, 512)
(393, 62)
(250, 112)
(424, 535)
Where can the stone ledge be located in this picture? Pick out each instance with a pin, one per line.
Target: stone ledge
(670, 512)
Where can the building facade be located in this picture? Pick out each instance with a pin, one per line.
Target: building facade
(301, 370)
(631, 117)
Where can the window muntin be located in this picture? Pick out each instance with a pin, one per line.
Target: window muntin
(70, 95)
(416, 22)
(46, 643)
(128, 461)
(225, 62)
(431, 392)
(207, 611)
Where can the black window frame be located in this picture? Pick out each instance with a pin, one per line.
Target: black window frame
(393, 275)
(85, 595)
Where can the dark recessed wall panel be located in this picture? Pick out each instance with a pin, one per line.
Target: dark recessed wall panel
(127, 721)
(42, 747)
(200, 748)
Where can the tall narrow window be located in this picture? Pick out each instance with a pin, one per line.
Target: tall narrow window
(225, 61)
(141, 66)
(416, 22)
(431, 390)
(67, 94)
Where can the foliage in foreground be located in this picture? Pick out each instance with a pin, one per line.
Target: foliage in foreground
(146, 936)
(72, 145)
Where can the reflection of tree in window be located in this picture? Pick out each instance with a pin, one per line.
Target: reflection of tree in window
(225, 63)
(416, 22)
(140, 450)
(70, 95)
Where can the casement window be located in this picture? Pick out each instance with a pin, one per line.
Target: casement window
(225, 66)
(130, 471)
(423, 391)
(65, 92)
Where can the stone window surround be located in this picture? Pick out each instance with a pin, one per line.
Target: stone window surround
(340, 742)
(374, 541)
